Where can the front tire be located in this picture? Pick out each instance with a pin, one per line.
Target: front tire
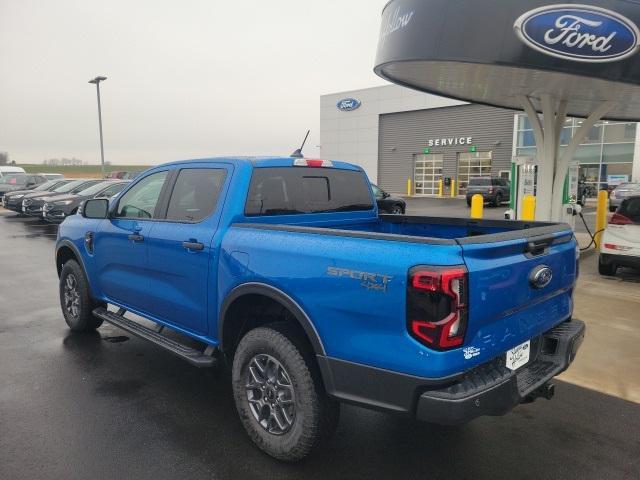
(77, 305)
(279, 394)
(397, 210)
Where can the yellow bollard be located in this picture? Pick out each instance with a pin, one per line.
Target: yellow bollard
(453, 188)
(408, 187)
(601, 215)
(440, 189)
(529, 207)
(477, 206)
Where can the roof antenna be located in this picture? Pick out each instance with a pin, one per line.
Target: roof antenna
(298, 152)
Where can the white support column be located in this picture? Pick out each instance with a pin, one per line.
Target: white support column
(563, 163)
(552, 171)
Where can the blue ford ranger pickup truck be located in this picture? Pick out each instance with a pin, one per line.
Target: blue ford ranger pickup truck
(283, 270)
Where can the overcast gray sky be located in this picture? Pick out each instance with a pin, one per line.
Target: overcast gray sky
(186, 79)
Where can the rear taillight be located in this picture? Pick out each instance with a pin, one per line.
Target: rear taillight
(437, 307)
(490, 189)
(613, 246)
(619, 219)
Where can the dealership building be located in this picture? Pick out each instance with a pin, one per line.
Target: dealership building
(397, 134)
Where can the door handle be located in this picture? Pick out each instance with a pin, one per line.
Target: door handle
(136, 237)
(193, 245)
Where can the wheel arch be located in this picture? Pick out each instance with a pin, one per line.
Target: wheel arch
(66, 251)
(240, 294)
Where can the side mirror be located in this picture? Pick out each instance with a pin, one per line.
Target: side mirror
(96, 208)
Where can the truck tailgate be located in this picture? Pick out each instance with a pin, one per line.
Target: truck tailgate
(518, 288)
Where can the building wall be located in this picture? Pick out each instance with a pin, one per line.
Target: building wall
(405, 134)
(392, 116)
(353, 136)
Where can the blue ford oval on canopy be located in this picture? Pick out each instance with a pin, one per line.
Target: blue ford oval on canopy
(495, 52)
(585, 34)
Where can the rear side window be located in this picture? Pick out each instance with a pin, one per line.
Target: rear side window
(630, 208)
(195, 194)
(293, 190)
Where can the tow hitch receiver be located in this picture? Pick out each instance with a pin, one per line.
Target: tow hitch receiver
(547, 391)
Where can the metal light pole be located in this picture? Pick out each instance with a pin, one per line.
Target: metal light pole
(97, 81)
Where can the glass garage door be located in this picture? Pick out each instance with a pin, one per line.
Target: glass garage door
(427, 171)
(472, 164)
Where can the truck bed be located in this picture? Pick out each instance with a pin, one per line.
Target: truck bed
(422, 229)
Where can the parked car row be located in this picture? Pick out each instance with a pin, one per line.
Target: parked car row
(55, 200)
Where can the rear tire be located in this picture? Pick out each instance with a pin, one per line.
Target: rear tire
(77, 305)
(608, 269)
(612, 209)
(279, 394)
(498, 200)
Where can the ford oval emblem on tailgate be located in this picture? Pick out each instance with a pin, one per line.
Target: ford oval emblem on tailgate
(582, 33)
(540, 276)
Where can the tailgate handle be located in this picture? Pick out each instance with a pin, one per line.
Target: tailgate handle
(538, 246)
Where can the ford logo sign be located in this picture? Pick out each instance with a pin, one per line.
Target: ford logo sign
(582, 33)
(540, 276)
(348, 104)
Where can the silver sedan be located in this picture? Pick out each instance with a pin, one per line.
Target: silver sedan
(621, 192)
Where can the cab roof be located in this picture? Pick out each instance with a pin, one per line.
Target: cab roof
(260, 162)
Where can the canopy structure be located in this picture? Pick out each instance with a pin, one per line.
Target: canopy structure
(557, 59)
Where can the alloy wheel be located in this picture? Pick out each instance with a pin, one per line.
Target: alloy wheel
(71, 296)
(270, 394)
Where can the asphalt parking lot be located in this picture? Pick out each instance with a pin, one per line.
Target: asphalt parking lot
(108, 406)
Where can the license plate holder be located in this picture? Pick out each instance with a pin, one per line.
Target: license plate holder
(518, 356)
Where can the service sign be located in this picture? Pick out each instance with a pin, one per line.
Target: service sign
(582, 33)
(348, 104)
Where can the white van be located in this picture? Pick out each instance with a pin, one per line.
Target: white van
(5, 170)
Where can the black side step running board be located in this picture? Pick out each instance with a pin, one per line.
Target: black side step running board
(191, 355)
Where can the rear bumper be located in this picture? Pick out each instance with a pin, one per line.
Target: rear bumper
(489, 389)
(630, 261)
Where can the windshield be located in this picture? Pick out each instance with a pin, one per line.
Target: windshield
(16, 179)
(70, 186)
(93, 189)
(631, 209)
(45, 185)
